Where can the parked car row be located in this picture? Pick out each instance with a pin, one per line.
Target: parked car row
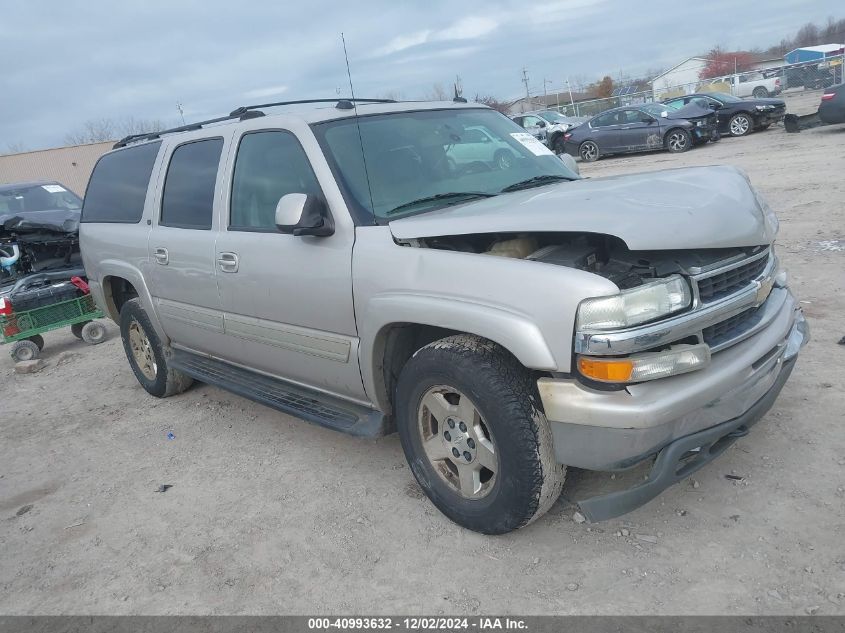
(675, 125)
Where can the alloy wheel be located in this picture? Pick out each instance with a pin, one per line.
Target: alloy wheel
(142, 351)
(589, 151)
(740, 125)
(677, 141)
(456, 442)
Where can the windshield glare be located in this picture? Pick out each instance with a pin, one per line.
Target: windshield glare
(411, 156)
(45, 197)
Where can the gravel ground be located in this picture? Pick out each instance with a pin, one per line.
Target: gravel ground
(268, 514)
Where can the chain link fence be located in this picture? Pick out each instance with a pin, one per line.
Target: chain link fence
(778, 81)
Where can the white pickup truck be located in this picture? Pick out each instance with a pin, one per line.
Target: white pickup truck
(754, 85)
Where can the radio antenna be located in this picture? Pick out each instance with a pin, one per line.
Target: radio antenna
(358, 125)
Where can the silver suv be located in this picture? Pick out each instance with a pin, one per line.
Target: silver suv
(507, 318)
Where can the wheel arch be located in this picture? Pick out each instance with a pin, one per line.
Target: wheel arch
(417, 322)
(118, 284)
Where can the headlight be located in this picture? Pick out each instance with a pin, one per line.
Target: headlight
(678, 359)
(760, 108)
(635, 306)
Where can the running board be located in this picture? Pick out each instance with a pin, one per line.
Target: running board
(301, 402)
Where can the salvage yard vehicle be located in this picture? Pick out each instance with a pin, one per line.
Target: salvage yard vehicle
(639, 129)
(549, 126)
(477, 149)
(832, 106)
(324, 260)
(756, 85)
(736, 117)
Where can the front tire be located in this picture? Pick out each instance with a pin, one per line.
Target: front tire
(24, 350)
(740, 124)
(474, 435)
(760, 92)
(678, 140)
(559, 145)
(146, 354)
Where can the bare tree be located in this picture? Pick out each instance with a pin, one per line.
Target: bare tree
(15, 148)
(437, 93)
(105, 129)
(396, 95)
(492, 102)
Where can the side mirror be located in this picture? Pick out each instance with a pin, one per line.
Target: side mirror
(541, 124)
(715, 106)
(664, 114)
(646, 119)
(303, 214)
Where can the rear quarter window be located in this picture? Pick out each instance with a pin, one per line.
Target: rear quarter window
(118, 185)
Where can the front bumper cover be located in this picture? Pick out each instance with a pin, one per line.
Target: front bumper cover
(696, 436)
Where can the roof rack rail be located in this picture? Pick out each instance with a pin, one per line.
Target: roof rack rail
(242, 113)
(339, 100)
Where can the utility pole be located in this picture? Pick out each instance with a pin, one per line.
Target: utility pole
(181, 112)
(525, 81)
(545, 94)
(571, 100)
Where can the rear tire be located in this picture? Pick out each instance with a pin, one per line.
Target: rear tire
(38, 340)
(559, 145)
(474, 435)
(146, 354)
(588, 151)
(76, 329)
(760, 92)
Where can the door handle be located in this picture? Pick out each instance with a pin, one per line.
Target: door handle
(161, 256)
(228, 262)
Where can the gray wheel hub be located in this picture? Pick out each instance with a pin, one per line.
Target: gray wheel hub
(457, 442)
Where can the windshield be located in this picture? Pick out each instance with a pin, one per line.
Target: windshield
(553, 117)
(655, 109)
(420, 161)
(37, 198)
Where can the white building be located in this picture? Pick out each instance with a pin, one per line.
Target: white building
(681, 78)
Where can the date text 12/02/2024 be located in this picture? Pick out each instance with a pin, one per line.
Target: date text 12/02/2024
(417, 624)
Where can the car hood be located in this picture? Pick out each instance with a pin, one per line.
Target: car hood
(775, 102)
(688, 208)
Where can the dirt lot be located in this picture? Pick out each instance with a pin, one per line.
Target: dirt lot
(268, 514)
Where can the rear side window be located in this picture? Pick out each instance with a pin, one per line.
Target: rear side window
(188, 198)
(118, 185)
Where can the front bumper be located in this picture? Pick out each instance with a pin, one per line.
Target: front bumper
(614, 430)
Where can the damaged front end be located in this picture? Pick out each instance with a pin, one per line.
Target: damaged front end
(39, 231)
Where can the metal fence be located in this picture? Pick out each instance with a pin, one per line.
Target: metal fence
(766, 82)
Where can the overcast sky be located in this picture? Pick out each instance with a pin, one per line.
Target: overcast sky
(63, 62)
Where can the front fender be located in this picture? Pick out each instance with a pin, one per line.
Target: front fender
(512, 330)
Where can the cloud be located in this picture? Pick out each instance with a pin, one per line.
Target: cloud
(468, 28)
(212, 61)
(270, 91)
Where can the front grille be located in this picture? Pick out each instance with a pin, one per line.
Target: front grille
(723, 284)
(731, 328)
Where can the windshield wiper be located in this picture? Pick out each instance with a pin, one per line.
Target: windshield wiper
(465, 195)
(536, 181)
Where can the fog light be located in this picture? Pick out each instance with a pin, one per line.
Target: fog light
(679, 359)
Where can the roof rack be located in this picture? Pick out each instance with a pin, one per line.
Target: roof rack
(243, 113)
(341, 104)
